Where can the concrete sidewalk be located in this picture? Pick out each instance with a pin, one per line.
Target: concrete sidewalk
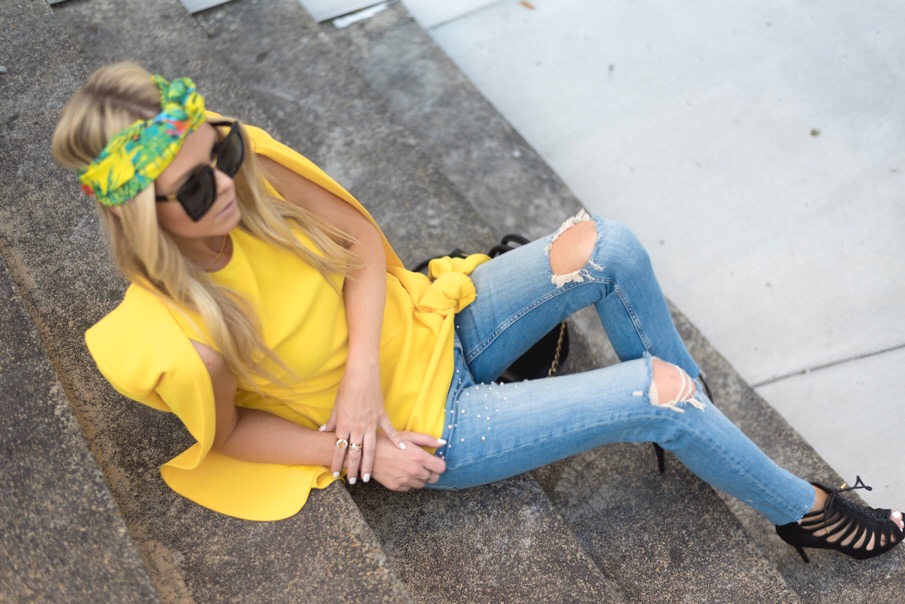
(759, 152)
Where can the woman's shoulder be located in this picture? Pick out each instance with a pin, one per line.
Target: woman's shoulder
(137, 344)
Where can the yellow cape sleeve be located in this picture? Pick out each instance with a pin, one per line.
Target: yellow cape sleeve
(144, 354)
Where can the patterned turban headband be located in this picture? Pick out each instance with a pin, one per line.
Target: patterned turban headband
(135, 157)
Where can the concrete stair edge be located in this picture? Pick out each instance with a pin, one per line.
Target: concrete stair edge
(54, 500)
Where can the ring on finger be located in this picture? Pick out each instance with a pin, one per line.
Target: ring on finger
(341, 443)
(355, 447)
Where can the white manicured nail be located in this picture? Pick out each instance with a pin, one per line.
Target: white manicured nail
(402, 446)
(441, 441)
(352, 480)
(335, 474)
(366, 478)
(322, 428)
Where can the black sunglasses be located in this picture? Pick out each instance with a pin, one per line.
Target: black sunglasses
(198, 192)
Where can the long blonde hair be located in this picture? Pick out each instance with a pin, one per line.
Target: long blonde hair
(114, 98)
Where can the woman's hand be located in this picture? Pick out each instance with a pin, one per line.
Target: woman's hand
(357, 413)
(411, 468)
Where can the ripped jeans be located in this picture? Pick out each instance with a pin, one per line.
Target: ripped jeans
(494, 431)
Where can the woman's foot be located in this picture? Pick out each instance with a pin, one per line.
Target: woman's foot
(820, 497)
(836, 523)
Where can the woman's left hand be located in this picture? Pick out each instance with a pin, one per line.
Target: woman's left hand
(357, 414)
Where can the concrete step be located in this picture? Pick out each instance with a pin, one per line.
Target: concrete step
(492, 166)
(319, 105)
(500, 542)
(63, 538)
(467, 137)
(329, 112)
(662, 538)
(65, 280)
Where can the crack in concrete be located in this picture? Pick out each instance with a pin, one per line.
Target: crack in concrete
(808, 370)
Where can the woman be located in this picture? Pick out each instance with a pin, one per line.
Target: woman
(273, 317)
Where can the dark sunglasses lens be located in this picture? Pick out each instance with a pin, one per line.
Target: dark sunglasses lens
(231, 152)
(198, 193)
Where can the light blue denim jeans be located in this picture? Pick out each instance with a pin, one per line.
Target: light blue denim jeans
(494, 431)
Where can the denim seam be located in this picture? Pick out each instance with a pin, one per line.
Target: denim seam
(642, 335)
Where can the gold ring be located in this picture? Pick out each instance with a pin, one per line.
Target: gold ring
(341, 443)
(355, 448)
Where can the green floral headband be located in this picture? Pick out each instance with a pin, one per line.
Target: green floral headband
(135, 157)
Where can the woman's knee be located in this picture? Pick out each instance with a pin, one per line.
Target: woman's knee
(625, 252)
(670, 386)
(572, 247)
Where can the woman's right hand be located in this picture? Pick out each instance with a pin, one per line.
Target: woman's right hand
(410, 468)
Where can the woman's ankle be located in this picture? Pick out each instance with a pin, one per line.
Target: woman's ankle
(819, 499)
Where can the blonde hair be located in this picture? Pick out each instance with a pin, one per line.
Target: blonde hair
(114, 98)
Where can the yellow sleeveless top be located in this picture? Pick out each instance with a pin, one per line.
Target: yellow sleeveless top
(143, 348)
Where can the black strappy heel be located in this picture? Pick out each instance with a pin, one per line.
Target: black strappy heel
(658, 450)
(843, 526)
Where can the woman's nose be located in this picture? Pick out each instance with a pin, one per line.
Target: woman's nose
(222, 181)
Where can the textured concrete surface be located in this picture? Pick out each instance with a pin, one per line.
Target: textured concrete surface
(502, 542)
(499, 174)
(62, 538)
(322, 107)
(661, 538)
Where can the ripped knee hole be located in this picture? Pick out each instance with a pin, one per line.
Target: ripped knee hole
(670, 385)
(571, 248)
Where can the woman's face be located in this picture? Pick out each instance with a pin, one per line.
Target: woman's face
(197, 150)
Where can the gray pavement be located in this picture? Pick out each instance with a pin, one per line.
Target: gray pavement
(759, 152)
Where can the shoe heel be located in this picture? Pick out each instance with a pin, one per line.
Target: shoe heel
(801, 553)
(661, 459)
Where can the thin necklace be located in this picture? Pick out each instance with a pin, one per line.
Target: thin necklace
(219, 254)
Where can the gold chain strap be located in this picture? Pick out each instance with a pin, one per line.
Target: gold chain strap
(554, 367)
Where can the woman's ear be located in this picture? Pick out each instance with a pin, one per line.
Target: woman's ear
(114, 210)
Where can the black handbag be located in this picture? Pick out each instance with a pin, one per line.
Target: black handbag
(544, 358)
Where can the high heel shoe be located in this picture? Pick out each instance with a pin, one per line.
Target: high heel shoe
(658, 450)
(857, 531)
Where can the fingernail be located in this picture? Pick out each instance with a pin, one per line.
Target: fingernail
(897, 514)
(335, 474)
(322, 428)
(441, 441)
(352, 480)
(402, 446)
(366, 478)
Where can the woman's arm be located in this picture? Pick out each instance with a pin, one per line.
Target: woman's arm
(359, 408)
(257, 436)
